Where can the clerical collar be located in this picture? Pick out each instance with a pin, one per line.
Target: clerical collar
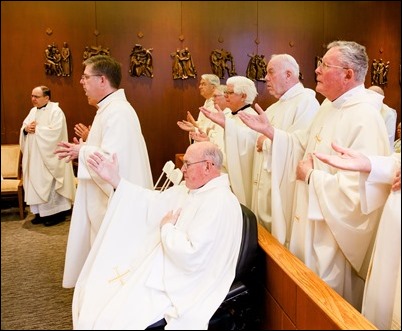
(105, 97)
(41, 107)
(242, 108)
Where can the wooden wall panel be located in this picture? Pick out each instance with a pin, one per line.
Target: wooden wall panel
(298, 28)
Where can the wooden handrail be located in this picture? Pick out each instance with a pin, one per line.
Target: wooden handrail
(296, 297)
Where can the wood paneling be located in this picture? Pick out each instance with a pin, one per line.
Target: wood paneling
(264, 27)
(296, 298)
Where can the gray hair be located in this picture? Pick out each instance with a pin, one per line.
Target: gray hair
(354, 56)
(288, 62)
(212, 79)
(221, 88)
(213, 153)
(244, 85)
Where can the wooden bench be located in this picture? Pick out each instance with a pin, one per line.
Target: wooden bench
(296, 298)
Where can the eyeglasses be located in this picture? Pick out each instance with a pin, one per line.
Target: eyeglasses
(186, 164)
(229, 92)
(37, 96)
(217, 95)
(321, 63)
(86, 77)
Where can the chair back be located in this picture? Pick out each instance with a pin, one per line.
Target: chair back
(249, 244)
(11, 161)
(166, 171)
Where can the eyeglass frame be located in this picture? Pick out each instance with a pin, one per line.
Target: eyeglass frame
(226, 92)
(322, 64)
(186, 164)
(86, 77)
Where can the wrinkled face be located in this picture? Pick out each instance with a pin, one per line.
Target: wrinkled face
(37, 97)
(331, 75)
(91, 83)
(206, 88)
(234, 100)
(219, 99)
(195, 168)
(276, 79)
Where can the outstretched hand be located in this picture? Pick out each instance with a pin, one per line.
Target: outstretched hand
(199, 136)
(191, 119)
(259, 123)
(106, 169)
(217, 117)
(186, 125)
(346, 159)
(82, 131)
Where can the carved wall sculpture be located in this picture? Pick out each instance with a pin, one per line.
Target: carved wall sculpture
(379, 72)
(95, 50)
(141, 63)
(66, 60)
(221, 61)
(53, 64)
(183, 65)
(257, 67)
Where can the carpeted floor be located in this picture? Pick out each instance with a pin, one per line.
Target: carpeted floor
(32, 263)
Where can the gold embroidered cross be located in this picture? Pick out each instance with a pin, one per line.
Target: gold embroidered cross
(119, 276)
(318, 137)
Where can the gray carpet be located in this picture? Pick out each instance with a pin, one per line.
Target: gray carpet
(32, 263)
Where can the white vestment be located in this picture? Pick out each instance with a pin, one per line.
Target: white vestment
(138, 273)
(48, 182)
(390, 117)
(330, 234)
(294, 110)
(240, 180)
(115, 129)
(203, 122)
(382, 294)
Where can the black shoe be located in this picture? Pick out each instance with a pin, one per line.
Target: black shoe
(54, 219)
(38, 219)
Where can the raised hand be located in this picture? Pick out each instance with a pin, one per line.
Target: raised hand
(191, 119)
(186, 126)
(217, 117)
(106, 169)
(259, 123)
(346, 159)
(199, 136)
(82, 131)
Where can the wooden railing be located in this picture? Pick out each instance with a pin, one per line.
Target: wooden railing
(296, 298)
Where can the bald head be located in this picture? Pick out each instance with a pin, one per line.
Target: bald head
(377, 89)
(201, 163)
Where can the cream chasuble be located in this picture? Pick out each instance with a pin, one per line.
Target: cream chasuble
(137, 273)
(330, 234)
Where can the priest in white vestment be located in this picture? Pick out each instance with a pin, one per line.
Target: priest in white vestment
(49, 184)
(240, 93)
(380, 187)
(115, 129)
(169, 254)
(295, 108)
(207, 86)
(330, 233)
(389, 115)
